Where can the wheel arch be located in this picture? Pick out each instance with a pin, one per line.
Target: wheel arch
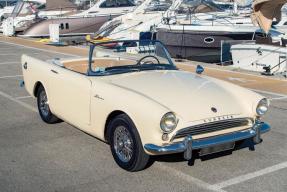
(38, 84)
(110, 117)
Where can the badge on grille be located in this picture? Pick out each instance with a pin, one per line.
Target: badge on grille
(213, 109)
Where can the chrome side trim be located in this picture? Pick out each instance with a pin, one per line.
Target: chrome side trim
(189, 144)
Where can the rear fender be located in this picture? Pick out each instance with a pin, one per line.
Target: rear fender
(34, 71)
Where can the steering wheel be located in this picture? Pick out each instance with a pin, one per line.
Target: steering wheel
(140, 61)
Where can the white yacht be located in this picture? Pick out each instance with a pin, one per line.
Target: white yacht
(264, 58)
(6, 7)
(267, 54)
(139, 24)
(28, 12)
(75, 22)
(196, 30)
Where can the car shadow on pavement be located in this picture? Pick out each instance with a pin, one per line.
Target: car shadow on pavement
(196, 155)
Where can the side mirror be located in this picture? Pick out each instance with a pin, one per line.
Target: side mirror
(199, 69)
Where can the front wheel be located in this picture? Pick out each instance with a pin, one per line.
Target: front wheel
(43, 107)
(126, 144)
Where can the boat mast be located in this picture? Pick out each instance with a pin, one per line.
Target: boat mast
(235, 7)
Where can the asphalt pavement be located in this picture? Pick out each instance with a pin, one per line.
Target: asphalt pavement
(38, 157)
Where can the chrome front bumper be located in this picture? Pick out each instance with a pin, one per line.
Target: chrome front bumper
(188, 144)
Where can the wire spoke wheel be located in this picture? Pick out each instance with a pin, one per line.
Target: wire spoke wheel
(44, 108)
(123, 144)
(44, 105)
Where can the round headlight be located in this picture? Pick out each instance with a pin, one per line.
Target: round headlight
(262, 107)
(168, 122)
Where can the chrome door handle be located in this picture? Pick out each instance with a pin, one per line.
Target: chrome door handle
(54, 71)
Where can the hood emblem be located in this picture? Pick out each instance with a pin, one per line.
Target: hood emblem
(213, 109)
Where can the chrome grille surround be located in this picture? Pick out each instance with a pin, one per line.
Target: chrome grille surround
(213, 127)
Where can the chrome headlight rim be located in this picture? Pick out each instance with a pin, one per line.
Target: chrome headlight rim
(262, 107)
(168, 122)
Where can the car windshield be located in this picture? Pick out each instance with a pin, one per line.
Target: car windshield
(116, 57)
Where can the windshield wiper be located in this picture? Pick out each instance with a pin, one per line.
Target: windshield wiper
(157, 67)
(135, 68)
(125, 67)
(119, 71)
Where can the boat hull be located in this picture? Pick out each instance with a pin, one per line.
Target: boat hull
(202, 46)
(70, 26)
(255, 57)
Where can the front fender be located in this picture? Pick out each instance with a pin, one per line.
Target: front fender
(144, 112)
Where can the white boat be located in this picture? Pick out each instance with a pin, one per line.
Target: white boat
(199, 36)
(142, 20)
(5, 11)
(75, 22)
(282, 24)
(266, 55)
(27, 12)
(83, 23)
(261, 58)
(25, 6)
(147, 17)
(109, 7)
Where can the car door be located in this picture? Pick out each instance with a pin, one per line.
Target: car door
(70, 96)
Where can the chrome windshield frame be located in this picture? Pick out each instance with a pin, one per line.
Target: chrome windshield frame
(94, 45)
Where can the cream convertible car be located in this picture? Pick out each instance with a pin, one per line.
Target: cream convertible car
(131, 95)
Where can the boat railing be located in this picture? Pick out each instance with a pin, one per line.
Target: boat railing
(269, 70)
(225, 50)
(222, 20)
(108, 28)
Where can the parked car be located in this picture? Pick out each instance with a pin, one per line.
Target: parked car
(131, 95)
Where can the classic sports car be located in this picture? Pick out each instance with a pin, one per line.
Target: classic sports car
(131, 95)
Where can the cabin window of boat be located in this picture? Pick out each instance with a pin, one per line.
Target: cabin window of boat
(41, 7)
(116, 57)
(117, 3)
(67, 26)
(7, 3)
(156, 5)
(62, 26)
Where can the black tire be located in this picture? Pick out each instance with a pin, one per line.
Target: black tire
(139, 159)
(47, 116)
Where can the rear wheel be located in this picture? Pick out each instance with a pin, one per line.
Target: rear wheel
(43, 107)
(126, 145)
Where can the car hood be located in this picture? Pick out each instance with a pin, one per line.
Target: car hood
(190, 96)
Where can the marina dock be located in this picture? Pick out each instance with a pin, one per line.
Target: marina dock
(244, 78)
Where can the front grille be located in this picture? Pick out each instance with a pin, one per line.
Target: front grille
(212, 127)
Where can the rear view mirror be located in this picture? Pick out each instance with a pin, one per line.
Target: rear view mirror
(199, 69)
